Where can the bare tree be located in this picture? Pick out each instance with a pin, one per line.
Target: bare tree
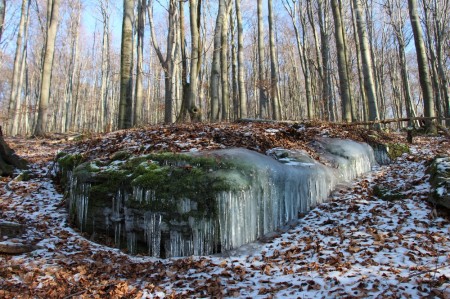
(19, 61)
(367, 64)
(126, 67)
(52, 27)
(263, 101)
(240, 58)
(139, 93)
(344, 82)
(274, 90)
(422, 62)
(167, 63)
(2, 16)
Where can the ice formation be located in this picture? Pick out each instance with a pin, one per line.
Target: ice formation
(267, 192)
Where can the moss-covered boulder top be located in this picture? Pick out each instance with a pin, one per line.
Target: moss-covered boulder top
(440, 181)
(169, 175)
(256, 136)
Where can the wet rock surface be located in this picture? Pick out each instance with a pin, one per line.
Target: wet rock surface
(439, 171)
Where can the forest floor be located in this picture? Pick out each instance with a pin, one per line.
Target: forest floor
(354, 246)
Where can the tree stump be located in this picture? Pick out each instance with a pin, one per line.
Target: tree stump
(8, 158)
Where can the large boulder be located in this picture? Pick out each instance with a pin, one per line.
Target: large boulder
(439, 171)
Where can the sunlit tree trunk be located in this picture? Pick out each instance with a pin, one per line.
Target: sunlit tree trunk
(263, 101)
(424, 75)
(73, 64)
(224, 63)
(2, 16)
(367, 64)
(139, 93)
(19, 60)
(274, 88)
(52, 27)
(241, 67)
(215, 67)
(126, 67)
(325, 54)
(344, 82)
(106, 69)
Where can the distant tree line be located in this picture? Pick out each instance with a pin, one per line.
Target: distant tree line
(203, 60)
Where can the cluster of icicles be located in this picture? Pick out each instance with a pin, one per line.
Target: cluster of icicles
(282, 185)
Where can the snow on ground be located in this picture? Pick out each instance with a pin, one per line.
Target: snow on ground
(354, 246)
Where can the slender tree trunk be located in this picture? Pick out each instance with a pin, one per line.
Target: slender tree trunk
(73, 64)
(224, 63)
(325, 54)
(274, 89)
(193, 110)
(215, 67)
(2, 17)
(106, 68)
(139, 93)
(43, 117)
(424, 75)
(16, 87)
(342, 63)
(126, 67)
(241, 67)
(263, 102)
(367, 64)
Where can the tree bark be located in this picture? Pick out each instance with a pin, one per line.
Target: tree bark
(263, 102)
(139, 93)
(2, 17)
(18, 69)
(367, 64)
(241, 67)
(126, 67)
(224, 63)
(424, 76)
(215, 66)
(193, 110)
(8, 159)
(52, 27)
(344, 83)
(274, 88)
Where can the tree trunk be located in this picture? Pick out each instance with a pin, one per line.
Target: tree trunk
(52, 27)
(106, 68)
(263, 102)
(422, 62)
(325, 54)
(139, 93)
(126, 67)
(215, 66)
(241, 67)
(2, 17)
(224, 63)
(8, 159)
(274, 89)
(367, 64)
(344, 83)
(18, 69)
(193, 110)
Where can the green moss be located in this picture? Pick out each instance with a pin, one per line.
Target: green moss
(68, 161)
(120, 155)
(395, 150)
(386, 194)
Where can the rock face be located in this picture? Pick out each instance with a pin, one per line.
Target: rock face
(440, 181)
(168, 205)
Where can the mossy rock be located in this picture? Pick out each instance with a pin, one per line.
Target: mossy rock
(439, 171)
(395, 150)
(386, 194)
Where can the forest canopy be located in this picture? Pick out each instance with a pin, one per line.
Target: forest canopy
(99, 65)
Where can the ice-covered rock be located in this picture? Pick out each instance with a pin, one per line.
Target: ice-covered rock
(207, 202)
(440, 181)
